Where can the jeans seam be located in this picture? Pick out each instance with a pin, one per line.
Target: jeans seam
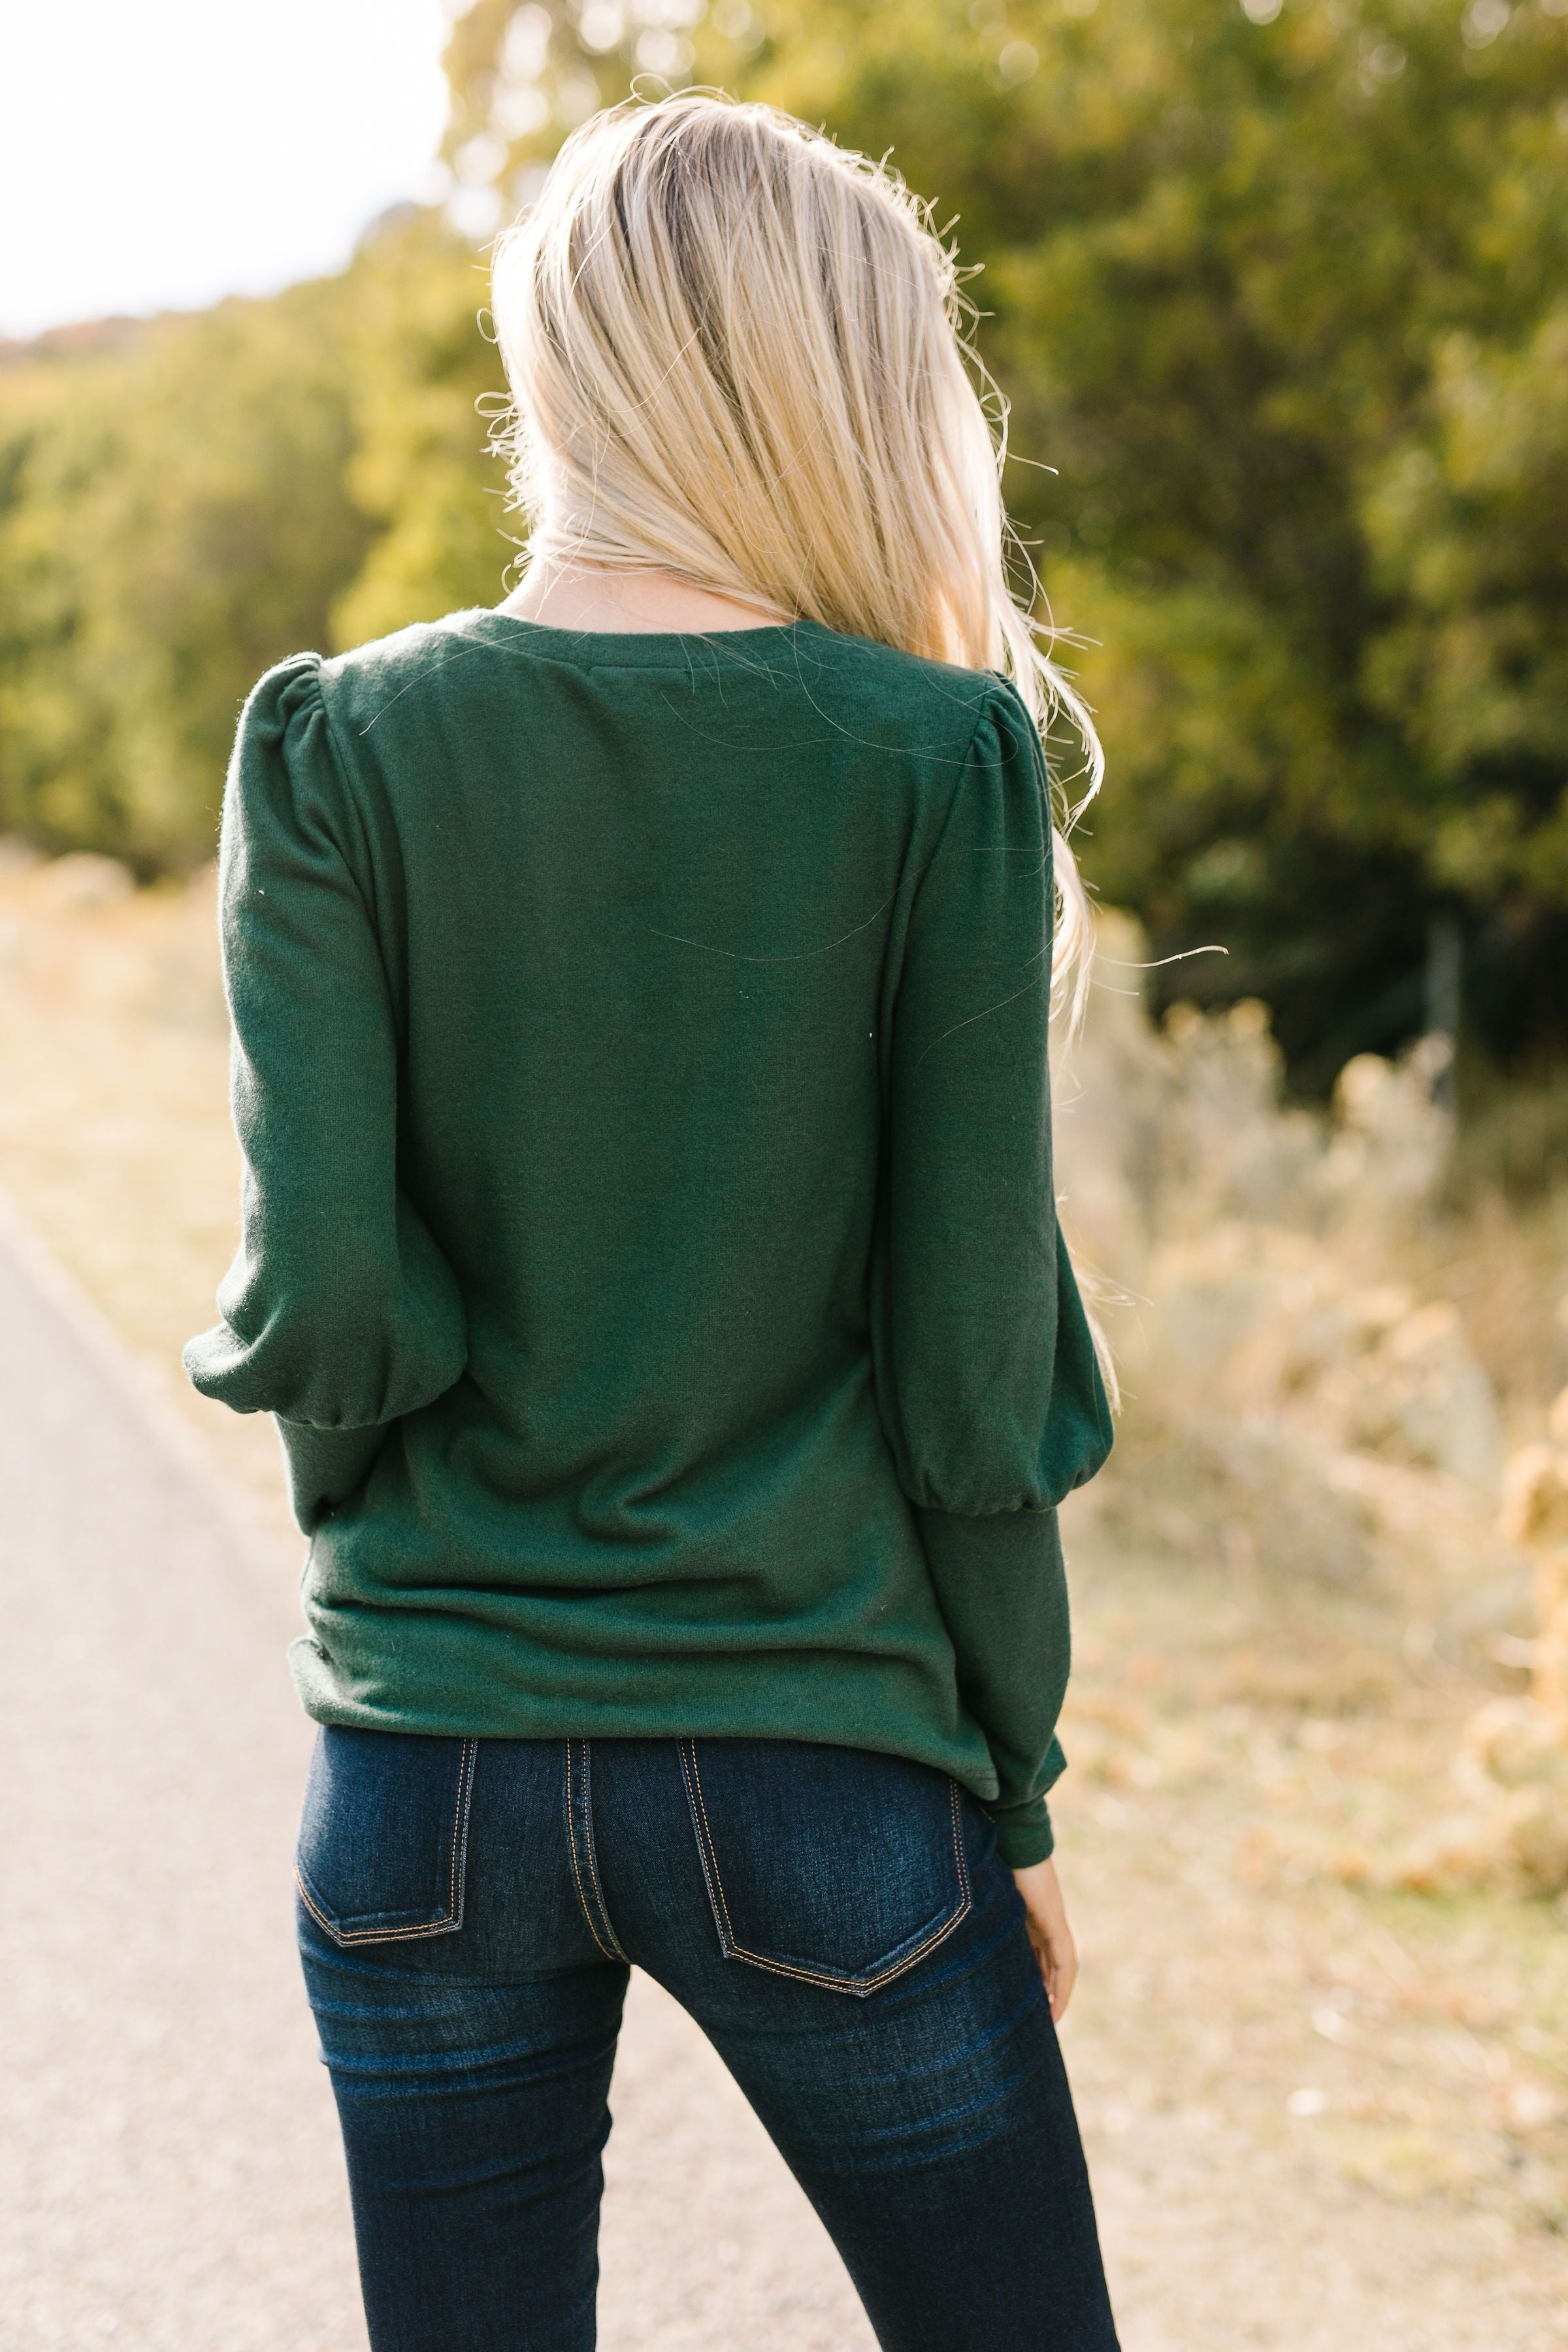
(688, 1752)
(576, 1870)
(591, 1854)
(736, 1950)
(452, 1918)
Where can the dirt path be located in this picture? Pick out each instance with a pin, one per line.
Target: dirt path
(173, 2181)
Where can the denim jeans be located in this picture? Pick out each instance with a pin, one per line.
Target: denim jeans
(837, 1922)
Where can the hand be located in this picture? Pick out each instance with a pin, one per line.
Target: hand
(1048, 1931)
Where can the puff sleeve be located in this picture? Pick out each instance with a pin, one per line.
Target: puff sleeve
(990, 1393)
(338, 1312)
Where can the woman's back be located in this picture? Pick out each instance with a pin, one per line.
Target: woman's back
(651, 1257)
(702, 982)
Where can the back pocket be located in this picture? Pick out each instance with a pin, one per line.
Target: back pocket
(830, 1864)
(384, 1839)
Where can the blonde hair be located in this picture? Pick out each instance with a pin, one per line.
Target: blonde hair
(736, 353)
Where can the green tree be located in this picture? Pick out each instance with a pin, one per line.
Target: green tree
(176, 521)
(422, 383)
(1468, 521)
(181, 512)
(1246, 278)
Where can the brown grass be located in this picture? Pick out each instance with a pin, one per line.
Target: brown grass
(115, 1135)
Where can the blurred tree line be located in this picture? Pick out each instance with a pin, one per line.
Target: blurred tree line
(1278, 290)
(184, 502)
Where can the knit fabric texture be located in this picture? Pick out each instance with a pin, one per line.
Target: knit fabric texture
(649, 1249)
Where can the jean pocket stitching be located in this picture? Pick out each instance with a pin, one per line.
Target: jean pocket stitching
(688, 1752)
(576, 1870)
(591, 1854)
(452, 1918)
(858, 1987)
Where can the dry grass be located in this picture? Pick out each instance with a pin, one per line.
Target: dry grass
(1295, 1601)
(1291, 1596)
(115, 1135)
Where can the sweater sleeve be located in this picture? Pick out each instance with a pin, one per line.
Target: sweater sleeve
(991, 1395)
(338, 1312)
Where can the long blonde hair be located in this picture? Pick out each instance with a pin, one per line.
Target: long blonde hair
(737, 354)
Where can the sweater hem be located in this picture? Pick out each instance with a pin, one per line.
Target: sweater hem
(704, 1711)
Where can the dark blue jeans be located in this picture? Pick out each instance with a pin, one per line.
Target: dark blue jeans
(837, 1922)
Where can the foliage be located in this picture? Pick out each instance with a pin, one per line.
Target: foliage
(1466, 521)
(177, 520)
(181, 510)
(1281, 301)
(420, 378)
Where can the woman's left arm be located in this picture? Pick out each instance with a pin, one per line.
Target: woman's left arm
(986, 1375)
(338, 1312)
(1045, 1916)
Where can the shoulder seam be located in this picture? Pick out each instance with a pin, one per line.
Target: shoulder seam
(334, 742)
(282, 674)
(350, 809)
(964, 767)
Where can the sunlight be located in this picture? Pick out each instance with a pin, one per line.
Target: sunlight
(210, 149)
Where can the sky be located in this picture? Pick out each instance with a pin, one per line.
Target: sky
(157, 155)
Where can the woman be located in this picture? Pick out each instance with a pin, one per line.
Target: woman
(640, 995)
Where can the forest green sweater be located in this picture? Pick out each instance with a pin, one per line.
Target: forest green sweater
(649, 1248)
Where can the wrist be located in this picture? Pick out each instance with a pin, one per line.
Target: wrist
(1021, 1844)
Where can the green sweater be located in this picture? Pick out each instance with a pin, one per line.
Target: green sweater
(649, 1249)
